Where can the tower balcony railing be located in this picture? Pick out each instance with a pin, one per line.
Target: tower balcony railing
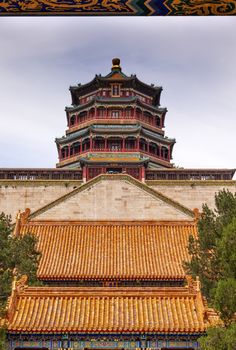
(40, 174)
(122, 116)
(114, 149)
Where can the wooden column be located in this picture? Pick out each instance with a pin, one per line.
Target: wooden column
(143, 174)
(84, 173)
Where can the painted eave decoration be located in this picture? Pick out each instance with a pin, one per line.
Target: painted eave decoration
(118, 7)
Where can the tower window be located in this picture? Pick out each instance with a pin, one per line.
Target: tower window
(72, 120)
(115, 90)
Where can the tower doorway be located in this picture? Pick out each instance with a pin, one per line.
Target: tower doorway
(113, 170)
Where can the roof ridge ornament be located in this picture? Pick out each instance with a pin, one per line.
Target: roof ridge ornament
(116, 64)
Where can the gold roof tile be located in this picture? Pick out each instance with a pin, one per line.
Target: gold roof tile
(117, 251)
(114, 310)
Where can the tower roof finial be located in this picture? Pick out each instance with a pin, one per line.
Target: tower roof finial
(116, 64)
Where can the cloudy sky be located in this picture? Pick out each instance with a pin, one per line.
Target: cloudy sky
(192, 58)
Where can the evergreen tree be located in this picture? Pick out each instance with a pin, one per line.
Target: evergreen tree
(213, 259)
(18, 256)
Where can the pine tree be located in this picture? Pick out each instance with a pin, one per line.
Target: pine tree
(18, 256)
(213, 259)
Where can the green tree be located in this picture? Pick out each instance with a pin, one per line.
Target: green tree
(213, 259)
(18, 256)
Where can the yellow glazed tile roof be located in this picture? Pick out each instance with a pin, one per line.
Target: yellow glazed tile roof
(110, 310)
(115, 251)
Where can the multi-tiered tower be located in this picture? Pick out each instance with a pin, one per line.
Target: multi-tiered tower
(115, 125)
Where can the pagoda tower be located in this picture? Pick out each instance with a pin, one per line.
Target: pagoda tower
(115, 125)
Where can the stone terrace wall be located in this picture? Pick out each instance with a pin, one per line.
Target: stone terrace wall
(192, 194)
(19, 195)
(114, 200)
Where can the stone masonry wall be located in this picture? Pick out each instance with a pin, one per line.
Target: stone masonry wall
(19, 195)
(113, 200)
(193, 194)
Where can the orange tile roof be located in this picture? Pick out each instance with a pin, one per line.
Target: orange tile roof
(114, 310)
(118, 251)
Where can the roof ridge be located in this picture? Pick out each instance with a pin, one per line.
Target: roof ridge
(112, 222)
(39, 291)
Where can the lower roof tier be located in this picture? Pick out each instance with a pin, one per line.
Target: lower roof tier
(109, 158)
(111, 251)
(106, 310)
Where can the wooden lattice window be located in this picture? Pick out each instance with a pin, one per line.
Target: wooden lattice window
(92, 172)
(115, 90)
(135, 172)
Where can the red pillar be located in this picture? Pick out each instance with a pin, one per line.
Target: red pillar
(84, 173)
(105, 144)
(123, 144)
(143, 174)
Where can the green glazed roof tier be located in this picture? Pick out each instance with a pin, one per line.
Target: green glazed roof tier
(107, 158)
(100, 101)
(113, 130)
(116, 75)
(138, 158)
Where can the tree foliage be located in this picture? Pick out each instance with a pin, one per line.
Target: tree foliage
(220, 338)
(18, 256)
(213, 259)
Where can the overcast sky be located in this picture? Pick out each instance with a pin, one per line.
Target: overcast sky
(193, 59)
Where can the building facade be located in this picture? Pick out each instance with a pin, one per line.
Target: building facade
(115, 125)
(113, 221)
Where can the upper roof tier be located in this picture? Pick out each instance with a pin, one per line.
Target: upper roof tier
(115, 76)
(121, 250)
